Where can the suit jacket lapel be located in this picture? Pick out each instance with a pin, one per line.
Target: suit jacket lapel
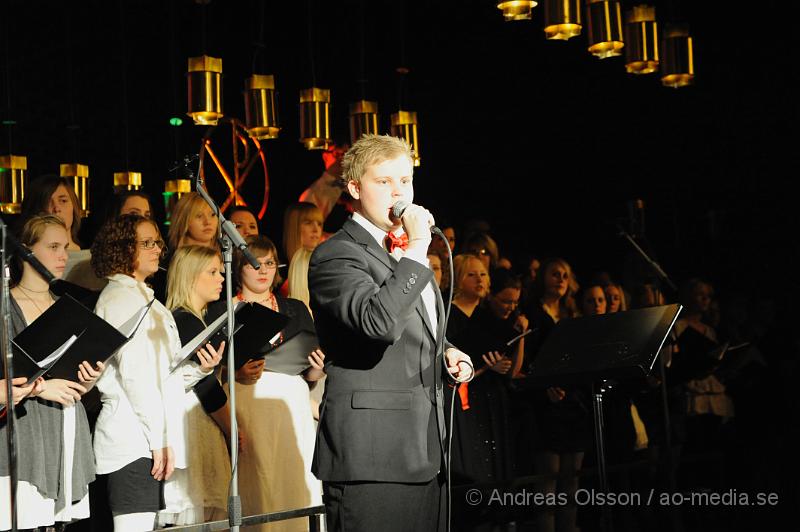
(362, 236)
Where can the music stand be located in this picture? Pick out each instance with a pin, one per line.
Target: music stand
(594, 349)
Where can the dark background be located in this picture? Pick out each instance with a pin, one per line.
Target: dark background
(544, 141)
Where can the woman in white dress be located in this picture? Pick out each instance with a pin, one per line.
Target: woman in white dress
(274, 409)
(140, 436)
(195, 280)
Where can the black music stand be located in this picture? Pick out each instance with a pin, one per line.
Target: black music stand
(595, 349)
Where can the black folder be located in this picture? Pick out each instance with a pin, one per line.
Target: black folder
(215, 333)
(254, 326)
(26, 366)
(260, 325)
(290, 357)
(96, 340)
(609, 346)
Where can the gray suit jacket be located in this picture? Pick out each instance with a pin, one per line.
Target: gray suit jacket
(382, 417)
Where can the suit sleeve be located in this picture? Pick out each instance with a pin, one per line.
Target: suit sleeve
(342, 285)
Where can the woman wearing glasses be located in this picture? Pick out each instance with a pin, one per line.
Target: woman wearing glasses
(273, 408)
(140, 436)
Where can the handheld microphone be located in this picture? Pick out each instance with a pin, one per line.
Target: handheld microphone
(400, 207)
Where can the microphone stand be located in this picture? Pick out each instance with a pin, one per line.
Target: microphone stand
(662, 275)
(653, 264)
(234, 502)
(8, 371)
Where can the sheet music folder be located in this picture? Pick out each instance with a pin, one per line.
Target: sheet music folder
(291, 356)
(609, 346)
(65, 335)
(255, 325)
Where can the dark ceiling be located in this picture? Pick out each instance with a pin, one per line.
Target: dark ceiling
(541, 139)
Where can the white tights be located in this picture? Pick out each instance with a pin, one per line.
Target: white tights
(136, 522)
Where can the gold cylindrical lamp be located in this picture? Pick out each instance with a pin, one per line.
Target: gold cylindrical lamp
(13, 181)
(404, 125)
(174, 189)
(604, 21)
(204, 83)
(641, 40)
(677, 57)
(562, 19)
(315, 131)
(260, 108)
(79, 174)
(516, 9)
(127, 181)
(363, 119)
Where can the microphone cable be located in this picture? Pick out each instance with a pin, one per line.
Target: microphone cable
(435, 230)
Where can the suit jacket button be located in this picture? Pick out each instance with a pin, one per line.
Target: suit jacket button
(405, 290)
(414, 275)
(412, 280)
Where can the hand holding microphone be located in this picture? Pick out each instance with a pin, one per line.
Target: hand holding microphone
(417, 221)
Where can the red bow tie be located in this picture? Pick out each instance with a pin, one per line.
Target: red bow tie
(396, 242)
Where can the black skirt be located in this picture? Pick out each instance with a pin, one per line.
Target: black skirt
(133, 489)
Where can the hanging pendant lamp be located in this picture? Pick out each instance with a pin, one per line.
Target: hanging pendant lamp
(677, 64)
(516, 9)
(127, 181)
(174, 189)
(605, 28)
(13, 181)
(261, 110)
(363, 119)
(404, 125)
(315, 118)
(204, 83)
(79, 174)
(562, 19)
(641, 40)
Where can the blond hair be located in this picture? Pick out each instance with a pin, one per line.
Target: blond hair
(293, 218)
(460, 266)
(183, 212)
(186, 265)
(370, 150)
(30, 234)
(298, 276)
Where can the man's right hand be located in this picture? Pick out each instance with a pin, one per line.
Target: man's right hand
(417, 222)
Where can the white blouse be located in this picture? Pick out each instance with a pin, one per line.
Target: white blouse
(142, 404)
